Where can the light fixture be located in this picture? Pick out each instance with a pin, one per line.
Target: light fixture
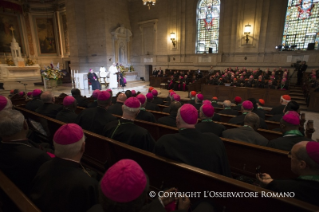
(247, 31)
(173, 38)
(149, 3)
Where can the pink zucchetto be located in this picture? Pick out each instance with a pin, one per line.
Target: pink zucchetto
(36, 92)
(200, 96)
(3, 102)
(133, 102)
(124, 182)
(292, 117)
(149, 96)
(104, 96)
(141, 98)
(21, 93)
(96, 93)
(68, 134)
(172, 93)
(68, 100)
(206, 102)
(189, 114)
(109, 90)
(177, 97)
(29, 94)
(247, 105)
(154, 92)
(133, 92)
(208, 110)
(312, 148)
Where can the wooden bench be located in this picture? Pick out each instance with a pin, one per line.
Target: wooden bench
(16, 195)
(102, 152)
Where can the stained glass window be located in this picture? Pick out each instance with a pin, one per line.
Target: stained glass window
(208, 14)
(302, 24)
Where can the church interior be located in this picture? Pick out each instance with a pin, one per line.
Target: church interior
(118, 68)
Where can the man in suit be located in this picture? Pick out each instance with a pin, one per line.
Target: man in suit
(227, 109)
(247, 133)
(49, 108)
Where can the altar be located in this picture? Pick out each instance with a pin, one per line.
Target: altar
(15, 73)
(130, 76)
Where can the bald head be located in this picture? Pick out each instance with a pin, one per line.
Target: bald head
(47, 97)
(121, 98)
(227, 103)
(301, 163)
(174, 106)
(252, 120)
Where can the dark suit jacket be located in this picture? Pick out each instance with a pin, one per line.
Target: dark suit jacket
(34, 104)
(116, 109)
(245, 134)
(49, 109)
(168, 120)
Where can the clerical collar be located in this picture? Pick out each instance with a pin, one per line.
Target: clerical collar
(142, 108)
(244, 113)
(260, 107)
(207, 120)
(214, 101)
(247, 126)
(292, 133)
(310, 177)
(227, 108)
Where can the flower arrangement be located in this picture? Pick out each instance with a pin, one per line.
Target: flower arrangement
(52, 72)
(10, 62)
(29, 62)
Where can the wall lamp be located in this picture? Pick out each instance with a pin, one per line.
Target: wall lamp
(247, 32)
(173, 39)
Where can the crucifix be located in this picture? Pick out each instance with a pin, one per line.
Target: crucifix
(11, 28)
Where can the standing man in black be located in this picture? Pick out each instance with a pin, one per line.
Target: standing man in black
(302, 68)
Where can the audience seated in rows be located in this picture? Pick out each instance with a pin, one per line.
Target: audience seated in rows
(291, 106)
(63, 184)
(150, 105)
(116, 108)
(48, 108)
(305, 164)
(124, 129)
(171, 119)
(175, 97)
(247, 133)
(157, 100)
(227, 109)
(284, 100)
(143, 114)
(81, 101)
(36, 102)
(67, 114)
(202, 150)
(94, 96)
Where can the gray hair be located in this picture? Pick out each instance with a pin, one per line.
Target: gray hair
(47, 97)
(9, 104)
(70, 150)
(11, 122)
(130, 110)
(303, 155)
(252, 119)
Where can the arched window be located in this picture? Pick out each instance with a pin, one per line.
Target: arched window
(208, 13)
(301, 26)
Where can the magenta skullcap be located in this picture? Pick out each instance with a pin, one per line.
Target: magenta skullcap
(3, 102)
(206, 102)
(133, 102)
(68, 100)
(154, 92)
(149, 96)
(109, 90)
(176, 97)
(291, 117)
(312, 148)
(68, 134)
(248, 105)
(21, 93)
(133, 92)
(123, 182)
(96, 93)
(29, 94)
(36, 92)
(104, 96)
(141, 98)
(208, 110)
(172, 93)
(200, 96)
(189, 114)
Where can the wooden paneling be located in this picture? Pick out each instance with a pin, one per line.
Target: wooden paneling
(314, 101)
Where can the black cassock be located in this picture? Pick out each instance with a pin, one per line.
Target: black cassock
(245, 134)
(229, 112)
(63, 185)
(305, 190)
(210, 127)
(34, 104)
(81, 101)
(239, 120)
(126, 131)
(146, 116)
(151, 106)
(168, 120)
(49, 109)
(202, 150)
(157, 100)
(116, 109)
(286, 143)
(277, 110)
(95, 82)
(67, 116)
(94, 119)
(20, 162)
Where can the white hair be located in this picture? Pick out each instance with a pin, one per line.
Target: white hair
(180, 117)
(285, 101)
(130, 110)
(11, 122)
(70, 150)
(9, 104)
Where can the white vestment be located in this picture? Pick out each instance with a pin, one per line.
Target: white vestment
(113, 77)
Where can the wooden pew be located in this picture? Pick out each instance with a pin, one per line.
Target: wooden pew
(102, 152)
(16, 195)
